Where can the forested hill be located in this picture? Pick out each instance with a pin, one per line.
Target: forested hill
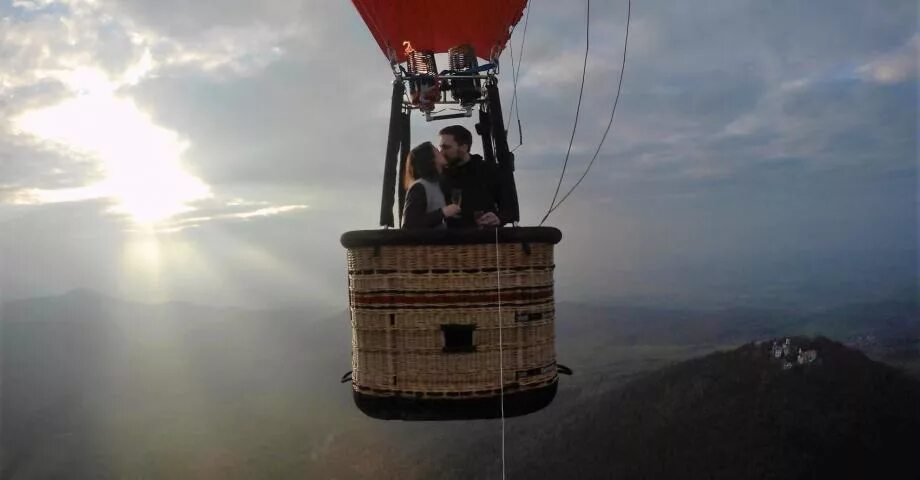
(741, 414)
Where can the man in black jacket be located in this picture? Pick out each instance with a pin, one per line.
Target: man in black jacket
(477, 182)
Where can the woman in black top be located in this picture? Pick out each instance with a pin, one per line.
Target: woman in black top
(425, 204)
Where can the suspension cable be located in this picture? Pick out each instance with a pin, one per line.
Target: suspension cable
(581, 92)
(609, 122)
(515, 73)
(501, 354)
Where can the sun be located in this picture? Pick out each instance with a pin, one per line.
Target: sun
(139, 160)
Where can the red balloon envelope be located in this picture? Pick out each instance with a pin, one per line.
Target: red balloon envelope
(437, 26)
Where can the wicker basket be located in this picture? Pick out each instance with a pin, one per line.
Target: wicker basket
(428, 309)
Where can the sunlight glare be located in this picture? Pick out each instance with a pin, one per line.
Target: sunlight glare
(140, 160)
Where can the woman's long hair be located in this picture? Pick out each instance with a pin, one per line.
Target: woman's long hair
(420, 164)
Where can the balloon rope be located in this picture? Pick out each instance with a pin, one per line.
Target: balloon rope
(581, 91)
(616, 100)
(501, 355)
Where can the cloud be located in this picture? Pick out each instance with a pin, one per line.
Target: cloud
(86, 35)
(31, 5)
(64, 71)
(233, 210)
(894, 67)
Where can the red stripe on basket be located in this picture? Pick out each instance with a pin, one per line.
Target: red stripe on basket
(471, 292)
(415, 298)
(444, 306)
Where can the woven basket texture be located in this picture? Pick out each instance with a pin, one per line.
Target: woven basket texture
(401, 297)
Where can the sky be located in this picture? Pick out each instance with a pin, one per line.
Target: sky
(762, 153)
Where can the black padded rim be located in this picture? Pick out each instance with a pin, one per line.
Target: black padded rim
(405, 408)
(464, 236)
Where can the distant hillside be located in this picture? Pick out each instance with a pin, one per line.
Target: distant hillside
(886, 330)
(96, 387)
(626, 325)
(630, 325)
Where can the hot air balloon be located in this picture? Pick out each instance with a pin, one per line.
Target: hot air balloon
(449, 324)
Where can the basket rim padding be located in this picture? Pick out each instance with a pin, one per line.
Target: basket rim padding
(459, 236)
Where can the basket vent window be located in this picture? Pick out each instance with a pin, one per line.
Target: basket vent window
(458, 338)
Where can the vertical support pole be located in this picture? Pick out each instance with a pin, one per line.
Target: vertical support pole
(394, 137)
(405, 147)
(484, 129)
(510, 210)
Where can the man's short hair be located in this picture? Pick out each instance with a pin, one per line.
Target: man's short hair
(461, 135)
